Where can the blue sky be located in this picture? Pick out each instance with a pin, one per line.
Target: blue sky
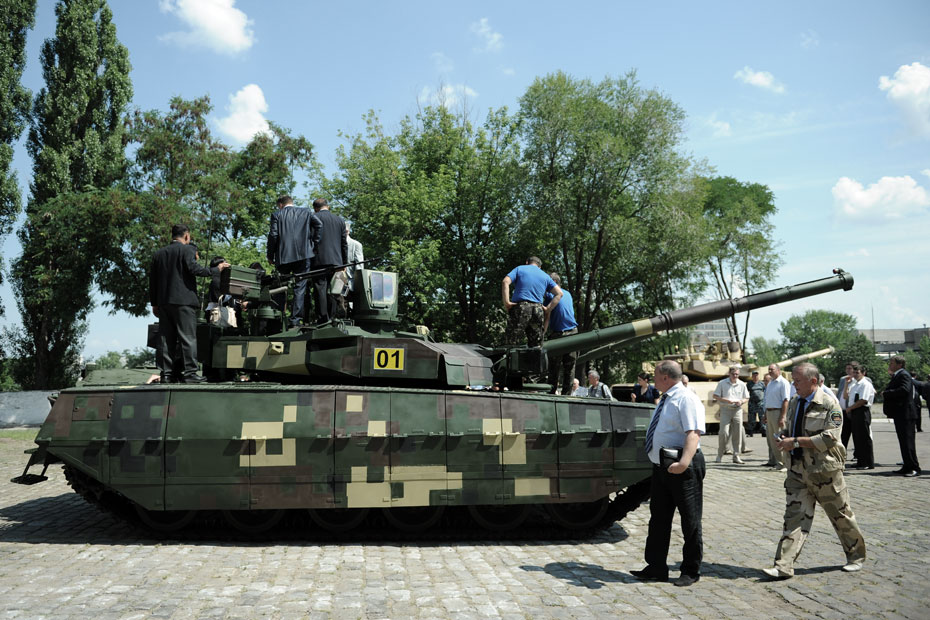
(827, 103)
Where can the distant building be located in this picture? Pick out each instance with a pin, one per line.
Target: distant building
(892, 341)
(714, 331)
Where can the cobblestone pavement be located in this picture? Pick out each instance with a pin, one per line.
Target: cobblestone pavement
(59, 558)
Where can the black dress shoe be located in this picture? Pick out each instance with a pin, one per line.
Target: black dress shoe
(909, 474)
(687, 580)
(864, 467)
(194, 379)
(647, 574)
(899, 471)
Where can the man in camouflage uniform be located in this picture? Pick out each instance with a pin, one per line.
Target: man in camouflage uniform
(816, 475)
(526, 313)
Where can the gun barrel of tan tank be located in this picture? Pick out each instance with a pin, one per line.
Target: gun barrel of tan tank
(797, 359)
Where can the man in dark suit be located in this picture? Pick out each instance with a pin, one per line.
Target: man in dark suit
(173, 295)
(899, 406)
(332, 250)
(292, 237)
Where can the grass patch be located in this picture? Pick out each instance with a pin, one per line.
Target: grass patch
(24, 434)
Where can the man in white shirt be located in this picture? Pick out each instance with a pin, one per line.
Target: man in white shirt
(777, 394)
(861, 396)
(677, 423)
(732, 394)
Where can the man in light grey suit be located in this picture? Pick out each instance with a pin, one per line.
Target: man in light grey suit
(355, 255)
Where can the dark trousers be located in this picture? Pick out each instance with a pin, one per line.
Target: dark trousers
(847, 431)
(177, 334)
(562, 367)
(686, 493)
(325, 307)
(905, 429)
(861, 422)
(300, 291)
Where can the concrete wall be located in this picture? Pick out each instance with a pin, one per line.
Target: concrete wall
(23, 408)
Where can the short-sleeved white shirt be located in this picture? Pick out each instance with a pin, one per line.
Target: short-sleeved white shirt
(861, 390)
(776, 392)
(682, 412)
(731, 391)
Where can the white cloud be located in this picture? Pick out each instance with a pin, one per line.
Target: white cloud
(925, 172)
(860, 252)
(891, 197)
(909, 89)
(760, 79)
(448, 96)
(214, 24)
(810, 39)
(246, 116)
(721, 129)
(442, 62)
(492, 41)
(900, 315)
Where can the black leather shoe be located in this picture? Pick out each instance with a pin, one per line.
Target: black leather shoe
(687, 580)
(909, 474)
(194, 379)
(647, 574)
(166, 379)
(864, 467)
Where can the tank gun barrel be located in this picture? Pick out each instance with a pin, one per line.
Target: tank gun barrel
(687, 317)
(797, 359)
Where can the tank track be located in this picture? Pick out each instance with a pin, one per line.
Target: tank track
(456, 525)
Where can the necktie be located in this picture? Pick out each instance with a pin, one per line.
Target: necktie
(654, 423)
(798, 416)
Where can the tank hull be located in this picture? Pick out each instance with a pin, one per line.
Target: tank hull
(240, 447)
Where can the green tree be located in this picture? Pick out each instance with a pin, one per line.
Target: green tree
(17, 18)
(180, 173)
(76, 142)
(765, 351)
(438, 202)
(139, 357)
(819, 329)
(108, 361)
(857, 349)
(740, 250)
(613, 204)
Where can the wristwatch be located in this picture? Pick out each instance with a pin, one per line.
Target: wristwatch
(797, 444)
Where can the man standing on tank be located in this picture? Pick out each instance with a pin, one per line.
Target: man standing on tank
(173, 295)
(526, 313)
(332, 250)
(293, 234)
(677, 423)
(561, 322)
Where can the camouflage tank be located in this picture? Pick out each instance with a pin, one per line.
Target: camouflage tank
(363, 415)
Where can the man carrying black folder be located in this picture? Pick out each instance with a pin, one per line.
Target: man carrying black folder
(673, 444)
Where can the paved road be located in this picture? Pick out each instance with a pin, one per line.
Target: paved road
(59, 558)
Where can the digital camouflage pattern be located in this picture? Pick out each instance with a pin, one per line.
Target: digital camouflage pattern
(271, 447)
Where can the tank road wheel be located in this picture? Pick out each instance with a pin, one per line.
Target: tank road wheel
(499, 518)
(253, 521)
(578, 515)
(338, 520)
(165, 520)
(414, 519)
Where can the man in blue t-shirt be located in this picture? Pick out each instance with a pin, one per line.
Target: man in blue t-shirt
(561, 323)
(525, 313)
